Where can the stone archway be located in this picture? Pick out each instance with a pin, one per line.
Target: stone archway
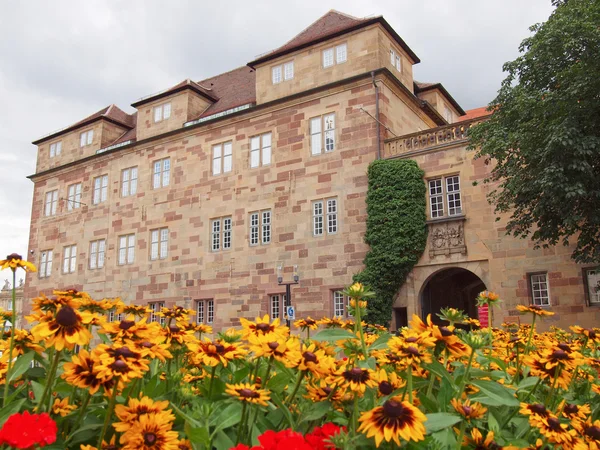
(453, 287)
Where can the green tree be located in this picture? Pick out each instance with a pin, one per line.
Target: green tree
(544, 135)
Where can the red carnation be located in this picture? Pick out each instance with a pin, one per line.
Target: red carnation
(283, 440)
(317, 439)
(26, 430)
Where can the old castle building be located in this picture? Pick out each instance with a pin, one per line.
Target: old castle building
(213, 189)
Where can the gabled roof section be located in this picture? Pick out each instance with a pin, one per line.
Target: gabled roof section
(185, 84)
(476, 113)
(329, 26)
(423, 87)
(111, 113)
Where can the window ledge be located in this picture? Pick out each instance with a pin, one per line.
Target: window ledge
(460, 217)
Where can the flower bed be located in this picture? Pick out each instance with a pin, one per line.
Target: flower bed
(349, 385)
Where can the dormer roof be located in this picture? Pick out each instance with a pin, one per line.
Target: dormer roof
(185, 84)
(423, 87)
(329, 26)
(111, 113)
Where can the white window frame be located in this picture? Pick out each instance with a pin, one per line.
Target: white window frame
(161, 112)
(156, 307)
(261, 150)
(55, 149)
(73, 196)
(448, 114)
(129, 181)
(159, 244)
(51, 203)
(328, 58)
(126, 249)
(100, 189)
(70, 259)
(260, 227)
(112, 316)
(341, 53)
(334, 55)
(276, 306)
(396, 59)
(341, 303)
(288, 70)
(205, 308)
(97, 254)
(161, 173)
(276, 74)
(445, 199)
(222, 158)
(593, 295)
(45, 264)
(221, 229)
(325, 213)
(86, 138)
(539, 284)
(322, 134)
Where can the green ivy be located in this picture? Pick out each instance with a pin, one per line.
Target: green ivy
(396, 231)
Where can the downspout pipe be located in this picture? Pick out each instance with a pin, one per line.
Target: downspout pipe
(377, 115)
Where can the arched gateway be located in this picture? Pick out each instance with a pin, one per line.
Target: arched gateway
(450, 288)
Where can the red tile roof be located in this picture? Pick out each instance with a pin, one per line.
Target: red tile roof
(185, 84)
(234, 88)
(475, 113)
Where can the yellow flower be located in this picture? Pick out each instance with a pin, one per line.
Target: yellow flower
(306, 323)
(314, 360)
(320, 390)
(65, 329)
(62, 407)
(248, 393)
(283, 350)
(119, 362)
(394, 420)
(14, 261)
(467, 410)
(128, 328)
(263, 327)
(150, 432)
(387, 383)
(136, 408)
(81, 372)
(534, 309)
(355, 378)
(213, 353)
(476, 440)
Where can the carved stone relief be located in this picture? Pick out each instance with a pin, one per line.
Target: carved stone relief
(446, 238)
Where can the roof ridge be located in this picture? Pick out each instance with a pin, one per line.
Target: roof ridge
(223, 73)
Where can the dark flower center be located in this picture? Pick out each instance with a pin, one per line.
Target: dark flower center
(413, 351)
(467, 410)
(173, 328)
(14, 256)
(66, 317)
(386, 388)
(119, 366)
(535, 307)
(147, 344)
(538, 408)
(593, 432)
(327, 390)
(560, 354)
(248, 393)
(309, 357)
(564, 347)
(571, 409)
(219, 348)
(126, 324)
(273, 345)
(591, 334)
(356, 374)
(446, 331)
(264, 327)
(149, 438)
(411, 339)
(125, 352)
(310, 322)
(393, 409)
(554, 424)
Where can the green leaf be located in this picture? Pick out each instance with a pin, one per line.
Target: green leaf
(334, 334)
(185, 416)
(528, 382)
(381, 342)
(439, 421)
(316, 411)
(38, 390)
(10, 409)
(437, 368)
(21, 365)
(495, 394)
(228, 417)
(197, 434)
(278, 382)
(370, 363)
(222, 441)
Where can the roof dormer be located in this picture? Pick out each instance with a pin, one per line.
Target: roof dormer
(170, 109)
(440, 99)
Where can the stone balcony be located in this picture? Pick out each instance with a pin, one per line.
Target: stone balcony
(434, 138)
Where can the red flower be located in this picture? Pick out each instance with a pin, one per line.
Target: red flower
(321, 434)
(26, 430)
(283, 440)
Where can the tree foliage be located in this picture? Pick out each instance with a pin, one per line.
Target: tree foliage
(396, 231)
(544, 135)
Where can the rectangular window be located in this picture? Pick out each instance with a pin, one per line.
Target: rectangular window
(156, 307)
(288, 70)
(70, 259)
(276, 305)
(162, 112)
(51, 202)
(86, 138)
(540, 290)
(398, 63)
(162, 173)
(276, 74)
(341, 53)
(318, 218)
(100, 189)
(97, 251)
(220, 234)
(159, 243)
(113, 317)
(126, 249)
(332, 216)
(448, 188)
(322, 134)
(222, 158)
(46, 264)
(129, 179)
(205, 311)
(55, 149)
(592, 283)
(328, 57)
(392, 57)
(74, 196)
(260, 227)
(260, 150)
(325, 210)
(340, 304)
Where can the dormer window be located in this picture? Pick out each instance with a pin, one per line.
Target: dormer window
(55, 149)
(396, 60)
(335, 55)
(283, 72)
(86, 138)
(162, 112)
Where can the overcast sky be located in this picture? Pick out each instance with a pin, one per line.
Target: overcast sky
(63, 60)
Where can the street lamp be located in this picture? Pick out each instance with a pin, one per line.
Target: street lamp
(288, 289)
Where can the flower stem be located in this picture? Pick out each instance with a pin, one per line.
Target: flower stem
(49, 381)
(409, 383)
(530, 334)
(12, 337)
(296, 387)
(82, 409)
(111, 407)
(466, 376)
(266, 378)
(460, 436)
(355, 415)
(358, 325)
(243, 424)
(212, 381)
